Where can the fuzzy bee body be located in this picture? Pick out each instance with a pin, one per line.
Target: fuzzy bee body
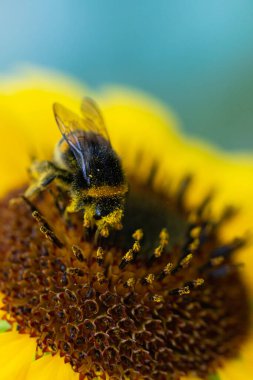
(86, 165)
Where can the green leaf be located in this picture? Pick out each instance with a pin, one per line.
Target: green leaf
(4, 326)
(214, 376)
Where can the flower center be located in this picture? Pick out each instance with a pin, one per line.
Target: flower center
(159, 299)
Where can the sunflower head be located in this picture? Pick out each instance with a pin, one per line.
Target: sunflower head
(159, 297)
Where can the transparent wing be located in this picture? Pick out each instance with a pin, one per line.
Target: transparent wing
(93, 118)
(69, 122)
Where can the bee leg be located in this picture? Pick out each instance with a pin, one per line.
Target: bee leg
(39, 185)
(88, 217)
(42, 174)
(110, 221)
(74, 206)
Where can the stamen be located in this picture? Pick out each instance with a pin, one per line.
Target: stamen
(100, 256)
(131, 254)
(164, 241)
(148, 279)
(130, 282)
(157, 298)
(165, 272)
(78, 252)
(45, 227)
(180, 291)
(75, 271)
(184, 263)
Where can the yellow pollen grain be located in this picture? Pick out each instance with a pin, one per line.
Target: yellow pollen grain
(195, 232)
(199, 282)
(164, 237)
(157, 298)
(184, 290)
(158, 251)
(100, 253)
(105, 191)
(194, 245)
(100, 277)
(136, 246)
(138, 235)
(150, 278)
(168, 268)
(104, 232)
(131, 282)
(186, 260)
(128, 256)
(164, 240)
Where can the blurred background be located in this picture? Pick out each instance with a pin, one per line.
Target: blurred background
(195, 56)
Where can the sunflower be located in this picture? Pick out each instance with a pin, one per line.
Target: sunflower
(165, 297)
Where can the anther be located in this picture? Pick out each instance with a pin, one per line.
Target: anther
(50, 235)
(130, 282)
(195, 283)
(148, 280)
(127, 258)
(131, 254)
(186, 261)
(165, 272)
(157, 298)
(138, 235)
(183, 263)
(100, 256)
(75, 271)
(101, 278)
(45, 227)
(195, 232)
(78, 253)
(164, 241)
(180, 291)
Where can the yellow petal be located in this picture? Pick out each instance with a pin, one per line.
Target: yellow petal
(236, 370)
(51, 368)
(16, 354)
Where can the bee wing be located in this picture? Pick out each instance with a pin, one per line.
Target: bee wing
(93, 118)
(68, 122)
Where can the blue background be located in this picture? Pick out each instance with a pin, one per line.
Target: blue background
(194, 55)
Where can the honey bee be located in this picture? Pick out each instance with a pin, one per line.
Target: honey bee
(86, 166)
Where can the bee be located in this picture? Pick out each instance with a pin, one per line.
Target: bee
(85, 165)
